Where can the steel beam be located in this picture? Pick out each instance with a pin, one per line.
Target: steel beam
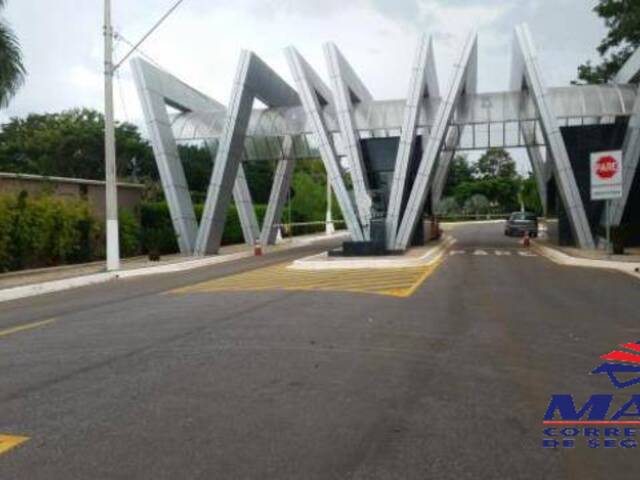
(464, 76)
(537, 163)
(631, 146)
(630, 158)
(156, 90)
(168, 90)
(279, 193)
(254, 80)
(630, 70)
(423, 83)
(244, 207)
(527, 75)
(316, 97)
(444, 165)
(452, 141)
(348, 92)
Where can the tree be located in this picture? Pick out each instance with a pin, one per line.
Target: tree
(197, 164)
(477, 204)
(502, 193)
(496, 163)
(622, 18)
(459, 172)
(12, 71)
(448, 206)
(71, 144)
(530, 196)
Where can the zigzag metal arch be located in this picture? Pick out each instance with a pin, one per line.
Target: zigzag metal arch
(313, 93)
(243, 202)
(631, 146)
(349, 90)
(423, 83)
(351, 112)
(464, 74)
(455, 132)
(281, 185)
(442, 173)
(254, 80)
(537, 163)
(157, 89)
(526, 75)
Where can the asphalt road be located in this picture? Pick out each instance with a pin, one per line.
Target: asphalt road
(130, 381)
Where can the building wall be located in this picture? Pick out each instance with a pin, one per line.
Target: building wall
(129, 195)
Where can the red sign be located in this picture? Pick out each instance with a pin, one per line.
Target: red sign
(606, 167)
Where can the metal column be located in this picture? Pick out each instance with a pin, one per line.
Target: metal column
(279, 193)
(527, 74)
(313, 93)
(465, 72)
(350, 90)
(423, 83)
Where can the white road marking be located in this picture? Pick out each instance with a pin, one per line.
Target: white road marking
(497, 253)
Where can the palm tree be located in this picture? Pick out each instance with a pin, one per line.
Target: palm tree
(12, 71)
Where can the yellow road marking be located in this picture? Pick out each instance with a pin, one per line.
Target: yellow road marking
(22, 328)
(7, 442)
(396, 282)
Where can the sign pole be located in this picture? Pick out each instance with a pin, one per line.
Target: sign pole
(606, 184)
(608, 207)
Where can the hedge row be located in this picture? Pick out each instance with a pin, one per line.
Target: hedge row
(44, 231)
(158, 234)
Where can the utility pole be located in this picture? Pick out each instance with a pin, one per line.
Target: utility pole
(111, 187)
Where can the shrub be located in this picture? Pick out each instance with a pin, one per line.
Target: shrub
(44, 231)
(130, 233)
(477, 204)
(159, 237)
(448, 206)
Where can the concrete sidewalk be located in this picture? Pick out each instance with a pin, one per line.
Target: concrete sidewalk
(16, 285)
(629, 264)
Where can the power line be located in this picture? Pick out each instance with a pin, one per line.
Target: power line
(142, 53)
(149, 33)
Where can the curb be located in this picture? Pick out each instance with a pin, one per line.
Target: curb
(562, 258)
(318, 262)
(54, 286)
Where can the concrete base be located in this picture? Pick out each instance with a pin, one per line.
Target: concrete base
(415, 257)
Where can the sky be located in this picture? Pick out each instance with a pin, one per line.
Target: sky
(200, 43)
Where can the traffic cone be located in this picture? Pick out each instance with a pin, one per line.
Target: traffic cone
(257, 249)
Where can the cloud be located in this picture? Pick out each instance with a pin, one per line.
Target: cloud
(201, 42)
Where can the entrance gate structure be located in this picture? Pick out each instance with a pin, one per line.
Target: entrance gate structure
(314, 121)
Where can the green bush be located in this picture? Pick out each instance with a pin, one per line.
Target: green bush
(130, 233)
(6, 222)
(157, 229)
(44, 231)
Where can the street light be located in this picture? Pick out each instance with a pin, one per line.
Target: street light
(111, 188)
